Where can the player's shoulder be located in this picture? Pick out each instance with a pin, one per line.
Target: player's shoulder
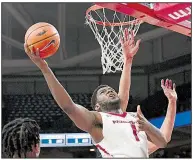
(96, 114)
(105, 114)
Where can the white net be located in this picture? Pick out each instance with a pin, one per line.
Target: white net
(108, 26)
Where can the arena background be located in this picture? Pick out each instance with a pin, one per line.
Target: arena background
(162, 54)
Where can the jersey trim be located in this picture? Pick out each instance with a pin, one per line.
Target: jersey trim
(118, 114)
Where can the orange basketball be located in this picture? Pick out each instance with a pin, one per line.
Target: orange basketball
(43, 36)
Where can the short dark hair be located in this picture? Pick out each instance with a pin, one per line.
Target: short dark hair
(94, 96)
(18, 137)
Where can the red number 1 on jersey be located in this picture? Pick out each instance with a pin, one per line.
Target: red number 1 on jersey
(134, 131)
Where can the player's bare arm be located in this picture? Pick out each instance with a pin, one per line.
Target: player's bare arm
(154, 135)
(130, 49)
(83, 118)
(169, 89)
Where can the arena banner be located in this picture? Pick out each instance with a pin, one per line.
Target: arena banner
(65, 140)
(182, 119)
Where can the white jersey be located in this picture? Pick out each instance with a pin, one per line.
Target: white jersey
(121, 139)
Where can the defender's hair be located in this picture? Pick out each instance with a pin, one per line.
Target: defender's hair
(19, 136)
(94, 96)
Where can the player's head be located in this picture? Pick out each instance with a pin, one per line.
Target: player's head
(20, 139)
(105, 99)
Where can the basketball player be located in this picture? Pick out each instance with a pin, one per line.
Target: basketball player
(115, 132)
(20, 139)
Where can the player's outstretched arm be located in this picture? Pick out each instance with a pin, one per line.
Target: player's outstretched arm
(83, 118)
(154, 135)
(129, 50)
(169, 89)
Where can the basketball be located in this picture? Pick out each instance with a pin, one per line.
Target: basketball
(43, 36)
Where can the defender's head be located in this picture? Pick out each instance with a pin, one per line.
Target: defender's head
(105, 99)
(21, 139)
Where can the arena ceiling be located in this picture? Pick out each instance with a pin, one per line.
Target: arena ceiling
(69, 19)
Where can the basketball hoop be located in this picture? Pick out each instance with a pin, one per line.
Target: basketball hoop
(107, 26)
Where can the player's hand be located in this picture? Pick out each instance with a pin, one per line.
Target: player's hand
(142, 123)
(129, 46)
(169, 89)
(35, 57)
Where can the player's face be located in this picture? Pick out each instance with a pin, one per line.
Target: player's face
(108, 99)
(106, 93)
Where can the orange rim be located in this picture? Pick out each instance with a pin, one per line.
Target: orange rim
(96, 7)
